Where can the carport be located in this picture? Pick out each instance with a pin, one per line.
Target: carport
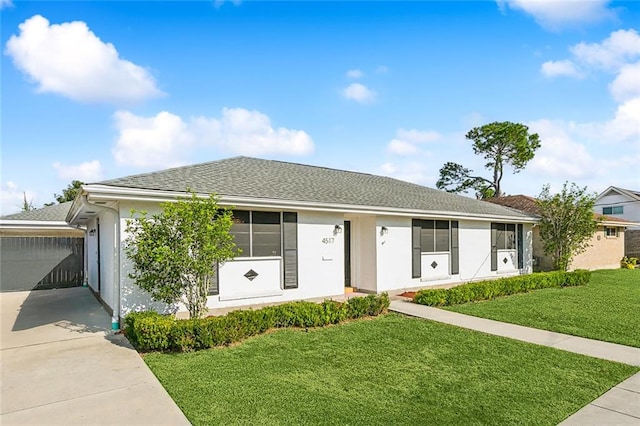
(39, 250)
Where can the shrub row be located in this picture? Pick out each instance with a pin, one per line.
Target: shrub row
(485, 290)
(150, 331)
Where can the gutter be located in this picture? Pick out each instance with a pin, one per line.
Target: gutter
(104, 192)
(115, 318)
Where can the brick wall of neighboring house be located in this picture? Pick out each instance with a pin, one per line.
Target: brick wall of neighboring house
(632, 243)
(603, 252)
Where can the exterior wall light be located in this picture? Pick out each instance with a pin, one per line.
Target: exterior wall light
(337, 229)
(384, 230)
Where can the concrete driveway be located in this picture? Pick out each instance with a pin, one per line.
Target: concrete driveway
(61, 364)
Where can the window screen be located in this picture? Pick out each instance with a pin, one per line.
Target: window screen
(266, 240)
(240, 230)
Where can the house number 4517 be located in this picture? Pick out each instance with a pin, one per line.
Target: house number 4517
(328, 240)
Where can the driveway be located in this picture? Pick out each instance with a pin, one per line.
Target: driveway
(61, 364)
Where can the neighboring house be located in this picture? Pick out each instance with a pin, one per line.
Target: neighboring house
(621, 203)
(606, 247)
(39, 249)
(308, 232)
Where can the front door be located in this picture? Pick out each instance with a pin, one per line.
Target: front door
(347, 253)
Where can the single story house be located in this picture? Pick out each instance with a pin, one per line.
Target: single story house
(620, 203)
(606, 247)
(308, 232)
(39, 250)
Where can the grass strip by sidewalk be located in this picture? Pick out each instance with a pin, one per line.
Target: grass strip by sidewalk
(386, 370)
(607, 309)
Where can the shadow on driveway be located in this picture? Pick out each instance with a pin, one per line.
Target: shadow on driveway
(47, 315)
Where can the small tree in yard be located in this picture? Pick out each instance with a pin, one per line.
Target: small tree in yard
(567, 223)
(174, 253)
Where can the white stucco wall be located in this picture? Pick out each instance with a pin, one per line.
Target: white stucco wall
(91, 241)
(394, 256)
(107, 259)
(320, 268)
(381, 261)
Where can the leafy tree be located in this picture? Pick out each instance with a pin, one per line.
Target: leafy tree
(174, 253)
(567, 223)
(68, 194)
(500, 143)
(26, 205)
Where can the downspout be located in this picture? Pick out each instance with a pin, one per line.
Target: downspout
(115, 319)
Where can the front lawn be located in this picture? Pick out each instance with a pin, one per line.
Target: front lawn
(608, 308)
(387, 370)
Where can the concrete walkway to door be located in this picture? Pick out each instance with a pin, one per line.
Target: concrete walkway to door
(61, 364)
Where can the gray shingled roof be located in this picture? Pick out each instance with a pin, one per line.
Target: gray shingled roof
(55, 213)
(268, 179)
(628, 192)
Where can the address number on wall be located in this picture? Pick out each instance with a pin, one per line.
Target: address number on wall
(328, 240)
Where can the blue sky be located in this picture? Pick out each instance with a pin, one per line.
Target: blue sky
(95, 90)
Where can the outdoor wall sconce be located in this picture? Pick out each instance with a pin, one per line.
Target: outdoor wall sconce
(92, 232)
(337, 229)
(384, 231)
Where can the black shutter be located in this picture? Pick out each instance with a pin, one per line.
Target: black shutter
(214, 288)
(416, 252)
(520, 246)
(455, 252)
(494, 246)
(290, 249)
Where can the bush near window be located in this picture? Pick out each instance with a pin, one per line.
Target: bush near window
(151, 331)
(490, 289)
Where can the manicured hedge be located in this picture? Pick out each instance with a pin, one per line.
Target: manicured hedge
(150, 331)
(484, 290)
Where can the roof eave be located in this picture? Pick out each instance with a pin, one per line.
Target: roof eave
(35, 224)
(110, 193)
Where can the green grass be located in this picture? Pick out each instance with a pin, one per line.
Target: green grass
(608, 308)
(388, 370)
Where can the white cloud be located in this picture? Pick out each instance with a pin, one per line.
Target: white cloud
(411, 171)
(89, 171)
(166, 139)
(418, 136)
(12, 197)
(161, 140)
(626, 85)
(251, 133)
(400, 147)
(407, 142)
(555, 14)
(355, 73)
(618, 54)
(4, 4)
(612, 53)
(359, 93)
(625, 125)
(559, 155)
(70, 60)
(561, 68)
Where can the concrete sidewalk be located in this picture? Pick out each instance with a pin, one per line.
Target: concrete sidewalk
(618, 406)
(61, 364)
